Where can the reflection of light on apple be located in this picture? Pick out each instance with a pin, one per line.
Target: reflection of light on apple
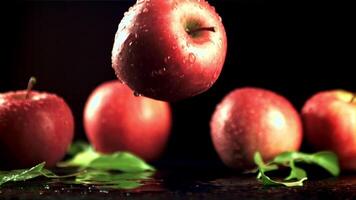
(147, 111)
(2, 101)
(38, 97)
(276, 118)
(224, 112)
(94, 105)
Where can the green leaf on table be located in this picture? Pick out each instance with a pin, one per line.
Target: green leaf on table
(77, 147)
(120, 161)
(21, 174)
(263, 168)
(296, 172)
(325, 159)
(269, 182)
(82, 159)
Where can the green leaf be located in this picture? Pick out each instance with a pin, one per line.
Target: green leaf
(269, 182)
(82, 159)
(325, 159)
(122, 161)
(21, 174)
(270, 167)
(296, 172)
(77, 147)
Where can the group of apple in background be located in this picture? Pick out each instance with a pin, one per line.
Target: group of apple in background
(179, 61)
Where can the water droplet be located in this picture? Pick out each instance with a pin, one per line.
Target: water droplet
(184, 61)
(104, 191)
(136, 36)
(136, 94)
(174, 47)
(145, 30)
(175, 5)
(191, 58)
(166, 59)
(130, 43)
(188, 43)
(46, 187)
(132, 65)
(145, 10)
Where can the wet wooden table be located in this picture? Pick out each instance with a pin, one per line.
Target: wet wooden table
(188, 182)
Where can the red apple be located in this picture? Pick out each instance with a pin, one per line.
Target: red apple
(330, 124)
(34, 127)
(252, 119)
(116, 120)
(169, 49)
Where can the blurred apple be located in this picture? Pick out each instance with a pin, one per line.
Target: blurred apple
(252, 119)
(330, 124)
(117, 120)
(34, 127)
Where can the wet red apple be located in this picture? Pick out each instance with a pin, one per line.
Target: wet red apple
(117, 120)
(252, 119)
(169, 49)
(34, 127)
(330, 124)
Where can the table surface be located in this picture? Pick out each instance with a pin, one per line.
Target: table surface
(189, 182)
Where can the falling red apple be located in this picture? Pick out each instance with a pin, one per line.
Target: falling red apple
(329, 119)
(252, 119)
(117, 120)
(34, 127)
(169, 49)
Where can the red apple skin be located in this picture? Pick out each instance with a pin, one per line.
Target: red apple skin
(33, 130)
(253, 119)
(155, 56)
(116, 120)
(329, 119)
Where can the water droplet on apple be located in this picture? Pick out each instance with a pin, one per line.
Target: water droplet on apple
(184, 61)
(188, 43)
(174, 47)
(145, 30)
(132, 65)
(166, 59)
(136, 36)
(191, 58)
(136, 94)
(145, 10)
(130, 43)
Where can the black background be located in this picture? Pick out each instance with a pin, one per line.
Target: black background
(295, 49)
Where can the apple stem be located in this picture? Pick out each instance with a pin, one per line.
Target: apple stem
(30, 85)
(193, 31)
(353, 98)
